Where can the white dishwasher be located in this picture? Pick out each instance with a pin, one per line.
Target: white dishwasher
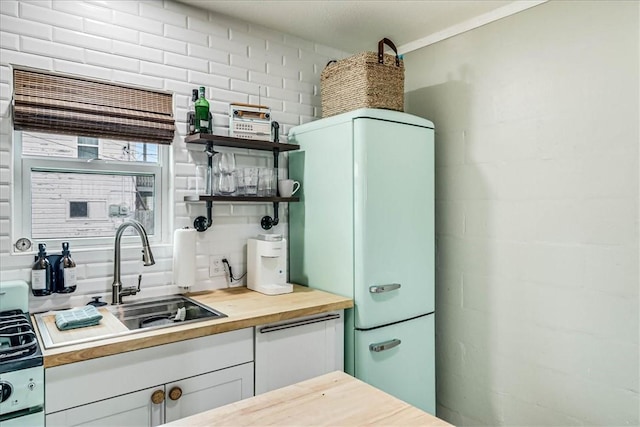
(295, 350)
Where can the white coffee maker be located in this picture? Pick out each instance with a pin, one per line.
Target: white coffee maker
(267, 265)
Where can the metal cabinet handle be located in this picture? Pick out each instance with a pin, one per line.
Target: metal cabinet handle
(382, 346)
(297, 323)
(175, 393)
(157, 396)
(378, 289)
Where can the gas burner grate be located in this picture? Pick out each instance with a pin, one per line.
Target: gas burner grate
(17, 338)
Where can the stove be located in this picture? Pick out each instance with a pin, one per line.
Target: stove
(21, 361)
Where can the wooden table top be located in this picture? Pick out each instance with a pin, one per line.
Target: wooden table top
(334, 399)
(243, 307)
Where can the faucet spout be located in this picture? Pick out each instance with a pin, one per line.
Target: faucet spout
(147, 258)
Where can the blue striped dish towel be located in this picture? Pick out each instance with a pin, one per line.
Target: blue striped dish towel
(78, 318)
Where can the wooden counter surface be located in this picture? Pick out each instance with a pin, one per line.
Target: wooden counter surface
(243, 307)
(334, 399)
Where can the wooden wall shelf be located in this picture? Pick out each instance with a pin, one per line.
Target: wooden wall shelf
(230, 141)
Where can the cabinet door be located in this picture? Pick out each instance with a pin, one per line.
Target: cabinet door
(133, 409)
(296, 350)
(208, 391)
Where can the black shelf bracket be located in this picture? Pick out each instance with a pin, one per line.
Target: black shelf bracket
(268, 222)
(202, 223)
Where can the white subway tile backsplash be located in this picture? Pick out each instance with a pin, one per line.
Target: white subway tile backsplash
(183, 34)
(207, 53)
(286, 72)
(9, 41)
(245, 87)
(186, 62)
(82, 69)
(34, 12)
(137, 52)
(297, 108)
(164, 71)
(208, 80)
(156, 12)
(284, 95)
(54, 50)
(250, 63)
(9, 57)
(296, 85)
(126, 6)
(9, 8)
(265, 79)
(228, 71)
(6, 76)
(227, 45)
(163, 43)
(112, 61)
(80, 39)
(138, 79)
(18, 26)
(84, 9)
(282, 50)
(114, 32)
(138, 23)
(199, 22)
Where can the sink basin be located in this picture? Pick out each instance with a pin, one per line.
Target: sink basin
(162, 312)
(128, 318)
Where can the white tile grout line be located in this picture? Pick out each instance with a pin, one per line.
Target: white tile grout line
(478, 21)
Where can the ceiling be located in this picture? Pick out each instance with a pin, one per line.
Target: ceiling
(354, 25)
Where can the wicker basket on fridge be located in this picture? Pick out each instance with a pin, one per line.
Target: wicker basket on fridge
(365, 80)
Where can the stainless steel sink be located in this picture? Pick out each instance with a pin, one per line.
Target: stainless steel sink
(162, 312)
(137, 316)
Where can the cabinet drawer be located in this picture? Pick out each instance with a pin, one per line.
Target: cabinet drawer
(91, 380)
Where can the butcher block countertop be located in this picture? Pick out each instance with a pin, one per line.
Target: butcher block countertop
(244, 308)
(334, 399)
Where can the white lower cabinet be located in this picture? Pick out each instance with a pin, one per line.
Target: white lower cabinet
(295, 350)
(173, 401)
(208, 391)
(182, 378)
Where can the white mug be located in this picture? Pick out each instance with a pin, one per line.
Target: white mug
(288, 187)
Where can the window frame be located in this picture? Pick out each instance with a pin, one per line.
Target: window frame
(24, 165)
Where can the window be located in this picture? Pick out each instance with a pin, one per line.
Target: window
(88, 148)
(78, 209)
(83, 188)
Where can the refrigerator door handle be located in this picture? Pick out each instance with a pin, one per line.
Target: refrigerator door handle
(382, 346)
(377, 289)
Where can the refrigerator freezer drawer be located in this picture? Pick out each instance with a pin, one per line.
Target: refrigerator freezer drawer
(400, 360)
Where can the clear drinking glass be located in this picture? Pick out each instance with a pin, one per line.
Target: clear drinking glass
(250, 180)
(266, 184)
(226, 181)
(239, 178)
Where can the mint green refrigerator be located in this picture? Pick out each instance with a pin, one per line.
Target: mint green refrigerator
(364, 228)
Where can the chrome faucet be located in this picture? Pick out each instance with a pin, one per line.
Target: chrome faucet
(117, 291)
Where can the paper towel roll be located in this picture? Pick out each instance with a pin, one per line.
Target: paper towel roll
(184, 257)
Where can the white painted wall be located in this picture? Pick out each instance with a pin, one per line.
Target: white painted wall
(170, 46)
(537, 139)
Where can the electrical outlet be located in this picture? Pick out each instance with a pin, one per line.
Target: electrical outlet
(216, 266)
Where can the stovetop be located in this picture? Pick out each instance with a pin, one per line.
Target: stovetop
(19, 347)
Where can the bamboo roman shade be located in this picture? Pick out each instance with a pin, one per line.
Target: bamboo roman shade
(73, 105)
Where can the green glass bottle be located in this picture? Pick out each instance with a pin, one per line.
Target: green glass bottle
(202, 113)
